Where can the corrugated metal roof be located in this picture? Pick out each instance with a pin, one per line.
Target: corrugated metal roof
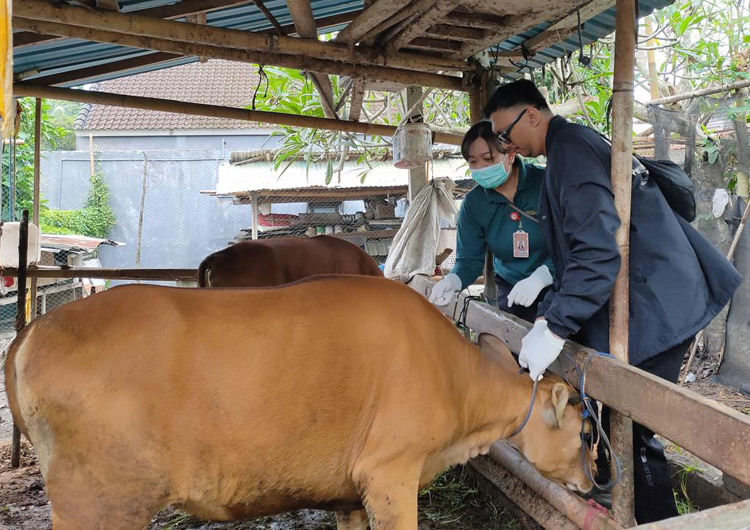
(66, 55)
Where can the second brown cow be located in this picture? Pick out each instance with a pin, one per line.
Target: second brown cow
(270, 262)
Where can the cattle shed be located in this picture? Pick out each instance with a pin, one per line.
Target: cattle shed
(460, 45)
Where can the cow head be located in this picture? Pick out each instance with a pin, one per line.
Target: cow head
(552, 439)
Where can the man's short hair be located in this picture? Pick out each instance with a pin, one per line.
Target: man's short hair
(518, 93)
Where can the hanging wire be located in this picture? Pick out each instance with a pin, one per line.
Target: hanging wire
(261, 77)
(526, 55)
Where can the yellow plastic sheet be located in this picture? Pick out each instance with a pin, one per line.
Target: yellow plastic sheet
(7, 106)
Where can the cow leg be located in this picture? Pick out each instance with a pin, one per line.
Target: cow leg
(391, 501)
(356, 520)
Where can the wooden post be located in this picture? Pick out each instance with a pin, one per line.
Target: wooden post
(478, 96)
(23, 248)
(417, 176)
(37, 181)
(622, 154)
(254, 202)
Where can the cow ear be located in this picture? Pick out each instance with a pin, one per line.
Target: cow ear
(559, 398)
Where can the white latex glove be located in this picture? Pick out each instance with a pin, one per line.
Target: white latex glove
(539, 348)
(526, 291)
(443, 291)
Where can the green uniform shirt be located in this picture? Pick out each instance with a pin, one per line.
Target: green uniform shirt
(485, 221)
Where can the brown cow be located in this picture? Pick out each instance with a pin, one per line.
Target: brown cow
(269, 262)
(336, 393)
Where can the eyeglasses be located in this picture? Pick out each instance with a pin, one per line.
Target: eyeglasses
(504, 136)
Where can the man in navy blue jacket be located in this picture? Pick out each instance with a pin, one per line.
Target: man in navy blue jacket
(678, 280)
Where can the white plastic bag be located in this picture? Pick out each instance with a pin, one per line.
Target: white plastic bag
(415, 246)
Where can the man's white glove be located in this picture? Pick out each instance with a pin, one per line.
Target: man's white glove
(539, 348)
(526, 291)
(443, 291)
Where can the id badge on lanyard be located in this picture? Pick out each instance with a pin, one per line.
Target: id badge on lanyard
(520, 238)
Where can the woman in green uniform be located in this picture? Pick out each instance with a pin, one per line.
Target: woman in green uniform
(500, 214)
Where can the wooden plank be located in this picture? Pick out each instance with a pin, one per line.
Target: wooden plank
(693, 422)
(728, 517)
(28, 38)
(104, 274)
(444, 31)
(440, 45)
(357, 99)
(185, 33)
(83, 75)
(418, 27)
(518, 24)
(108, 5)
(302, 62)
(377, 13)
(200, 109)
(407, 12)
(477, 19)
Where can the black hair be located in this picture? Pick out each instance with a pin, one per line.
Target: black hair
(518, 93)
(481, 129)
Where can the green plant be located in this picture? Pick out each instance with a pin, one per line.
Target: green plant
(95, 219)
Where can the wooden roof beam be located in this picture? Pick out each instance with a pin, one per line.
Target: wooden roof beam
(539, 11)
(444, 31)
(378, 12)
(304, 21)
(178, 10)
(567, 26)
(411, 10)
(200, 109)
(85, 74)
(182, 32)
(28, 38)
(417, 28)
(435, 45)
(302, 62)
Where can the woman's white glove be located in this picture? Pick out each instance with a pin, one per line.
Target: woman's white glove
(539, 348)
(443, 291)
(526, 291)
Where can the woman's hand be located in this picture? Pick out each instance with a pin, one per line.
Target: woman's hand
(526, 291)
(443, 291)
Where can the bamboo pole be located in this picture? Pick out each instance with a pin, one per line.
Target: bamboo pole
(37, 183)
(350, 68)
(622, 148)
(200, 109)
(184, 32)
(23, 250)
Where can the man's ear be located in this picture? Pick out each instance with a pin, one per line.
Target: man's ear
(535, 117)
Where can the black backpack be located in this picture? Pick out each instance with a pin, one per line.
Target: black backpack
(671, 179)
(674, 184)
